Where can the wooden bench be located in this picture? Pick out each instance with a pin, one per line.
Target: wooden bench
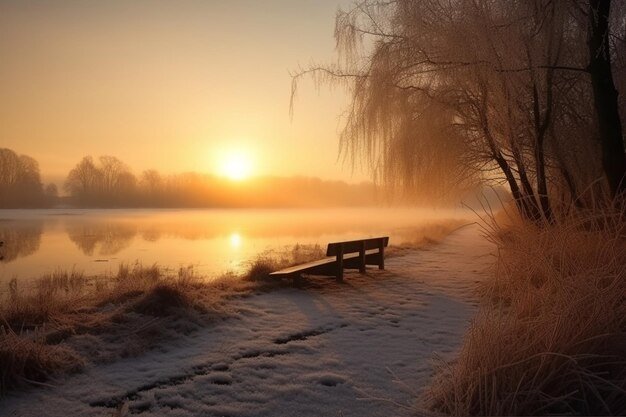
(353, 254)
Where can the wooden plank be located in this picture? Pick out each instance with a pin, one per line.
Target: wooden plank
(371, 258)
(305, 266)
(352, 261)
(355, 245)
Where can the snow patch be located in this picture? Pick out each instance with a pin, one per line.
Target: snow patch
(359, 348)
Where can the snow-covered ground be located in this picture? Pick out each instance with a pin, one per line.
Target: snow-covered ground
(361, 348)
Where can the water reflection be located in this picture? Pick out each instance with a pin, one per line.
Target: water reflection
(20, 239)
(214, 241)
(235, 240)
(102, 238)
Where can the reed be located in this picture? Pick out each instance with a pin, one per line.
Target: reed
(26, 359)
(550, 337)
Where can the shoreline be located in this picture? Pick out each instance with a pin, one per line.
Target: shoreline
(333, 342)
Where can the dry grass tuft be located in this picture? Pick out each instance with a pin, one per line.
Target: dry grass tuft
(162, 300)
(551, 334)
(29, 360)
(53, 294)
(300, 254)
(45, 326)
(261, 268)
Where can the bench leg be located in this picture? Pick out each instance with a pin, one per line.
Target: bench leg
(339, 272)
(362, 258)
(381, 254)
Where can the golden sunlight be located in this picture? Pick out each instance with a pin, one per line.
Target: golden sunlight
(235, 240)
(236, 165)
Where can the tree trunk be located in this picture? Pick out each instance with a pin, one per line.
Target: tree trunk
(520, 200)
(540, 134)
(605, 98)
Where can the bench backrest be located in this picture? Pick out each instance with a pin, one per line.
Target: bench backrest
(351, 246)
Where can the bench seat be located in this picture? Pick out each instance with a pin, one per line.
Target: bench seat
(321, 266)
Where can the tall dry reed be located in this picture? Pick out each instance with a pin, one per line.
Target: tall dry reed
(550, 337)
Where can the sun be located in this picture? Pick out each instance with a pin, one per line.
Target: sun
(236, 166)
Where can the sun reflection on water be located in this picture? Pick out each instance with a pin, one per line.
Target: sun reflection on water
(235, 240)
(218, 241)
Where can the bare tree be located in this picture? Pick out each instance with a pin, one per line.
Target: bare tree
(109, 183)
(509, 81)
(114, 174)
(83, 181)
(20, 181)
(151, 180)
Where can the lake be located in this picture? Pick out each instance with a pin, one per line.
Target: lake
(213, 241)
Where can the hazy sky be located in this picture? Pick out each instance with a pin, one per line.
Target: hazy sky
(171, 85)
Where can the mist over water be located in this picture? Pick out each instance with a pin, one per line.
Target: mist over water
(213, 241)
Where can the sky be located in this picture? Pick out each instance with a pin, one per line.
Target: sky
(178, 85)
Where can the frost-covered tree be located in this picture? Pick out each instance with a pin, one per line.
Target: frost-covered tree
(477, 88)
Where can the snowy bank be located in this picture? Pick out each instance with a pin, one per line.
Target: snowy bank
(362, 348)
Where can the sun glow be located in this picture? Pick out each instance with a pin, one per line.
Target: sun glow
(235, 240)
(236, 165)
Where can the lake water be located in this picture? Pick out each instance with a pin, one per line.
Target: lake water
(213, 241)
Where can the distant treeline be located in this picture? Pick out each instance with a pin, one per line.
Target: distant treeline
(109, 182)
(20, 182)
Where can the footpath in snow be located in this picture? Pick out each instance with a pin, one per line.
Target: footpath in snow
(361, 348)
